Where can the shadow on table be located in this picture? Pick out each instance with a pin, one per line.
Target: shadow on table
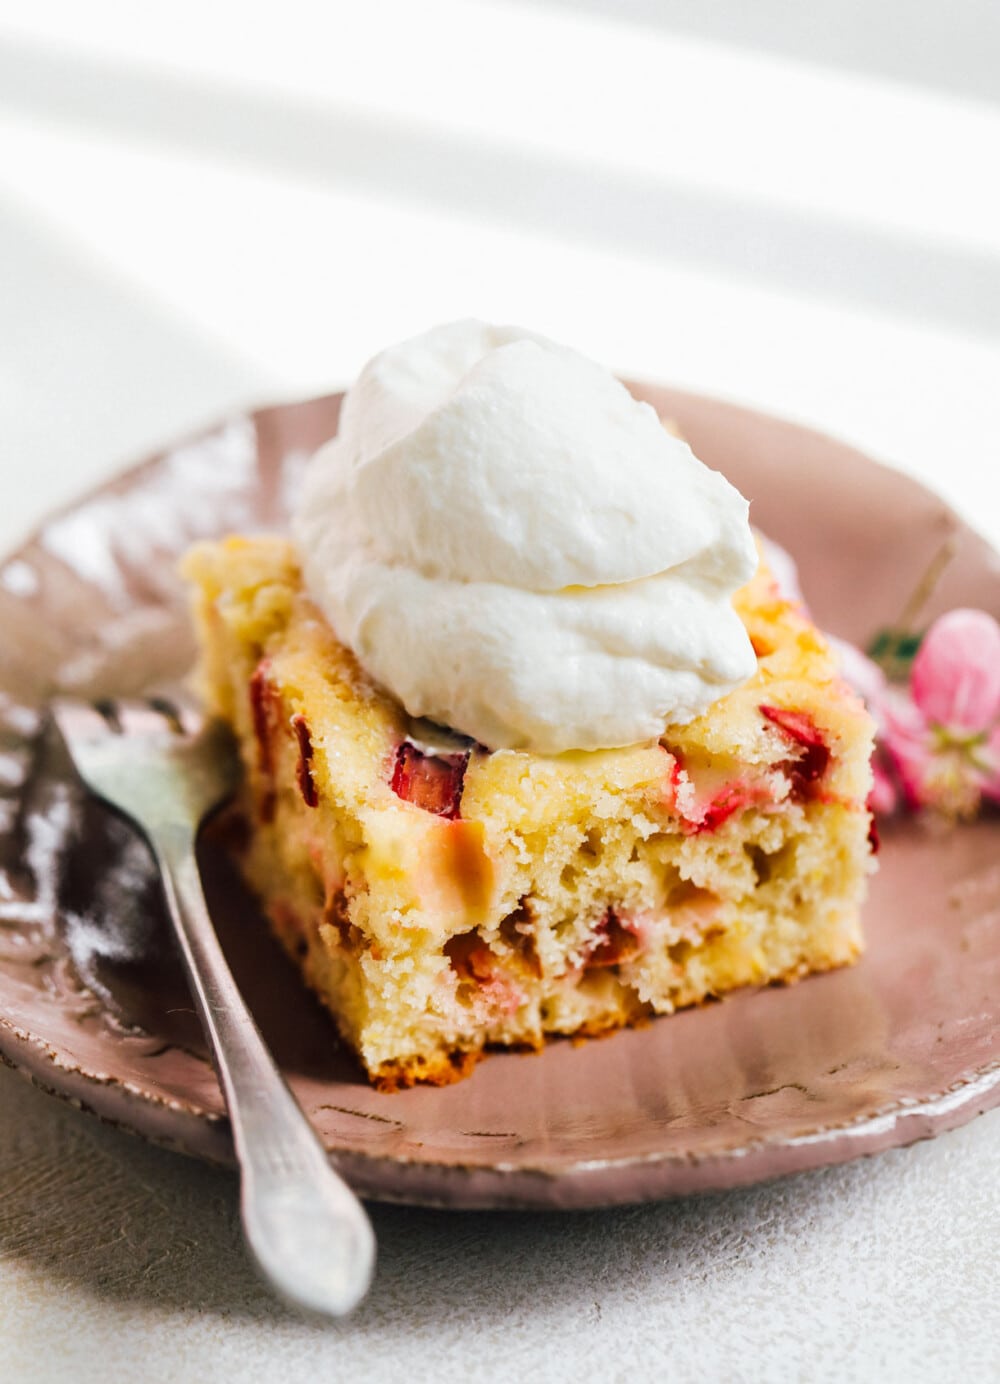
(667, 219)
(949, 48)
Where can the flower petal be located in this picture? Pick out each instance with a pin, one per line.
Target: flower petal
(956, 674)
(882, 799)
(903, 719)
(906, 740)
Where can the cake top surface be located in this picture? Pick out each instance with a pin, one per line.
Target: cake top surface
(514, 546)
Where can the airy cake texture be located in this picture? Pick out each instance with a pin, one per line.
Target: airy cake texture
(441, 899)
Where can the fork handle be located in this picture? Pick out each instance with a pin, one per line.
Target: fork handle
(306, 1229)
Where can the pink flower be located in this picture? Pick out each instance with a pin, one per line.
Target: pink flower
(956, 674)
(944, 738)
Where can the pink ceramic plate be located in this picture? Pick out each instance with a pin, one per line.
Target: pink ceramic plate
(902, 1046)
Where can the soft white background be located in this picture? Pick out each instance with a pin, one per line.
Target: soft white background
(207, 205)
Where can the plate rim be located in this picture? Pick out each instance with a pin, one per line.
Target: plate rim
(579, 1184)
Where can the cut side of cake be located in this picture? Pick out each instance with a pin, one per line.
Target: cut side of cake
(442, 899)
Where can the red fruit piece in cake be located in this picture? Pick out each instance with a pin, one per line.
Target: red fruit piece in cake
(733, 798)
(303, 769)
(433, 782)
(614, 941)
(265, 709)
(494, 990)
(707, 795)
(811, 764)
(264, 700)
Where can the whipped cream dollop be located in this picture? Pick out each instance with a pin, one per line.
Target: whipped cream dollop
(516, 548)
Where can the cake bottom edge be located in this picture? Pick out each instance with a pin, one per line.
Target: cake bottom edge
(611, 1007)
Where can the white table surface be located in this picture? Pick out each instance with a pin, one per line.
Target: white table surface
(207, 206)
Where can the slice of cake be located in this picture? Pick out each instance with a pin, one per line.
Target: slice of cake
(441, 897)
(529, 747)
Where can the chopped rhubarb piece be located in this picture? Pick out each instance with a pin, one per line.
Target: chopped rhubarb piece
(475, 964)
(705, 808)
(808, 767)
(433, 782)
(797, 725)
(733, 798)
(262, 703)
(303, 769)
(265, 702)
(470, 957)
(674, 780)
(613, 942)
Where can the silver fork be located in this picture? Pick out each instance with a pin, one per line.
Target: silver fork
(157, 762)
